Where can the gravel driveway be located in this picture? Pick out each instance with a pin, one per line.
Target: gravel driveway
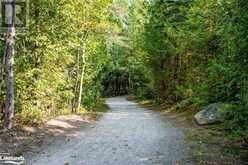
(126, 135)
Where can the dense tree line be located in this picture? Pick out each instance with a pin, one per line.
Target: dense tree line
(186, 52)
(58, 60)
(192, 53)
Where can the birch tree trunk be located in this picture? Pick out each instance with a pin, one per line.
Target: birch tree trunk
(9, 56)
(74, 100)
(2, 85)
(82, 78)
(80, 74)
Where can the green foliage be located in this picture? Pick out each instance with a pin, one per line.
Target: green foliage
(48, 57)
(186, 53)
(193, 52)
(237, 122)
(29, 115)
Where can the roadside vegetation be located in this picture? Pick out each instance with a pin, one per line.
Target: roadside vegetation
(185, 54)
(189, 54)
(60, 61)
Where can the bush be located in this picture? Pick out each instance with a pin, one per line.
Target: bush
(237, 122)
(30, 116)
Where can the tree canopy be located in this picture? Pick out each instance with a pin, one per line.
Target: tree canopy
(186, 52)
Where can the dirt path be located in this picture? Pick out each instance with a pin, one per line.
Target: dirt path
(126, 135)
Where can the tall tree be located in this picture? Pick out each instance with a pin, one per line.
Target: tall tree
(9, 57)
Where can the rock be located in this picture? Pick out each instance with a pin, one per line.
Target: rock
(211, 114)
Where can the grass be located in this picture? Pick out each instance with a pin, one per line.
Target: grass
(36, 117)
(96, 112)
(206, 145)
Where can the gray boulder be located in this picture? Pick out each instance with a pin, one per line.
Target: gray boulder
(211, 114)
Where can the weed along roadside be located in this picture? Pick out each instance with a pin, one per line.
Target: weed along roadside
(119, 137)
(59, 59)
(29, 138)
(208, 144)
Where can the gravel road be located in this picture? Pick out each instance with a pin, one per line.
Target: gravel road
(126, 135)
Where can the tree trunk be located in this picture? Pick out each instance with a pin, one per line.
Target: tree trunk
(82, 78)
(2, 83)
(9, 55)
(74, 100)
(2, 70)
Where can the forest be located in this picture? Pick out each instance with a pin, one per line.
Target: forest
(182, 53)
